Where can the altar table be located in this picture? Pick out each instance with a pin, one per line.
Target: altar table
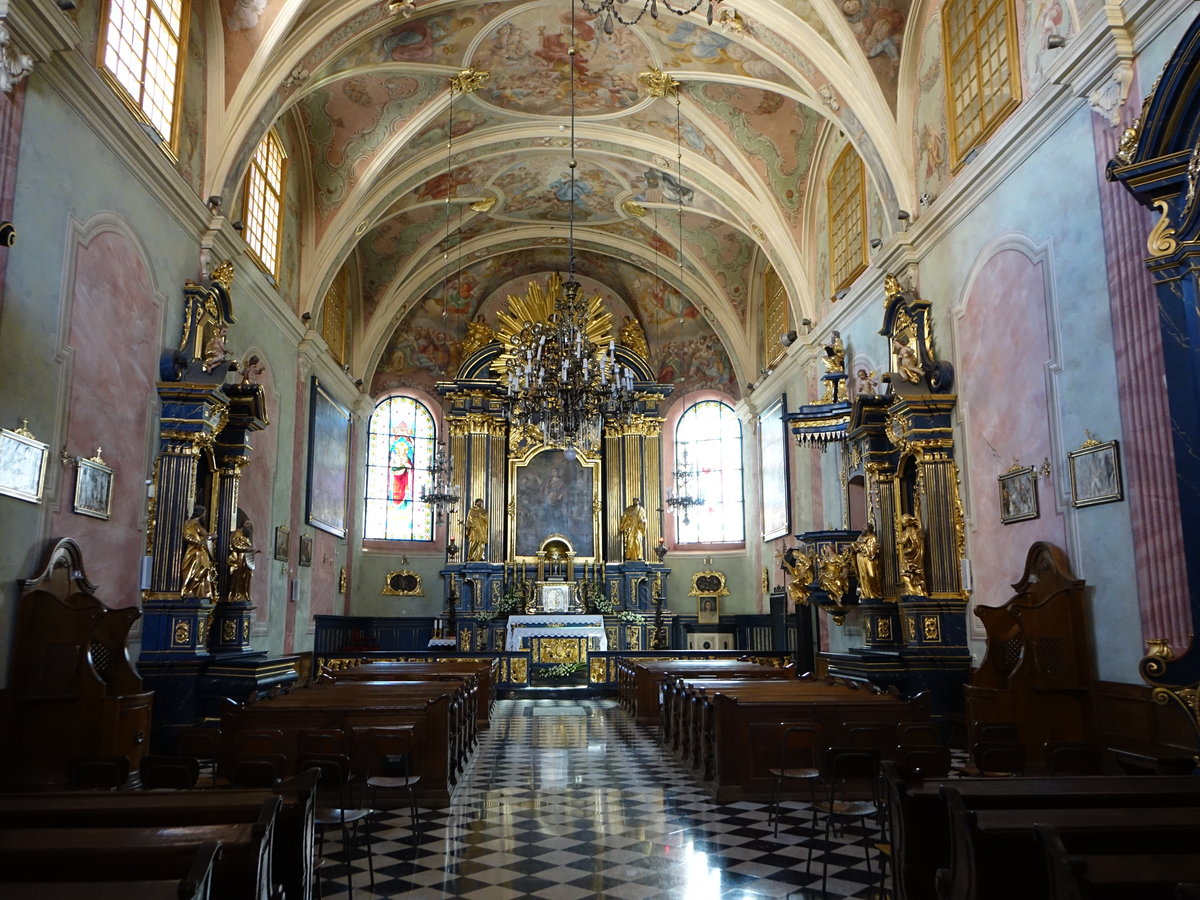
(522, 628)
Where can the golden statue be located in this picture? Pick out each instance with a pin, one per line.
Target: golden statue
(633, 337)
(199, 573)
(907, 364)
(912, 555)
(477, 531)
(633, 529)
(891, 286)
(835, 354)
(479, 334)
(834, 578)
(215, 351)
(866, 563)
(800, 565)
(241, 562)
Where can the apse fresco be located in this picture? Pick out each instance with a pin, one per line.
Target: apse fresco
(469, 116)
(659, 119)
(530, 47)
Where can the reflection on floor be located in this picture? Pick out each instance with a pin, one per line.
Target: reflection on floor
(569, 799)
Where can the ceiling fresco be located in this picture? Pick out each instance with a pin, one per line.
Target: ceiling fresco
(728, 173)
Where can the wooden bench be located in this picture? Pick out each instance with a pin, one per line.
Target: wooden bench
(919, 821)
(104, 853)
(1080, 869)
(995, 854)
(432, 708)
(195, 884)
(639, 681)
(479, 674)
(291, 861)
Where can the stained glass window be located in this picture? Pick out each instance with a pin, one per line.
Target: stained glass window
(400, 445)
(711, 433)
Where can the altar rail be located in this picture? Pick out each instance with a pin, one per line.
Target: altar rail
(765, 633)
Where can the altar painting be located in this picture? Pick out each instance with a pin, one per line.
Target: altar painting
(554, 495)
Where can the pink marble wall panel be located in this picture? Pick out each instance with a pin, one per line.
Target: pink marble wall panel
(11, 107)
(1148, 450)
(254, 499)
(1003, 347)
(114, 342)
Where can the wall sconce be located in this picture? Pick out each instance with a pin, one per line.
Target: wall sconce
(807, 324)
(238, 225)
(1055, 42)
(306, 317)
(788, 338)
(841, 295)
(876, 243)
(214, 203)
(903, 215)
(358, 383)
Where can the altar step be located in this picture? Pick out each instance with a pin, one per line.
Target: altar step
(563, 692)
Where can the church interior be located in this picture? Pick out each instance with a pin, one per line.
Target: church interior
(461, 387)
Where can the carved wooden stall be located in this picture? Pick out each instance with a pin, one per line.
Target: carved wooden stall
(1038, 668)
(74, 691)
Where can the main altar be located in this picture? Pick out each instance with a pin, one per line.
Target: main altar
(560, 551)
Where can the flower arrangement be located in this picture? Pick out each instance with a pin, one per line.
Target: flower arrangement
(501, 606)
(563, 669)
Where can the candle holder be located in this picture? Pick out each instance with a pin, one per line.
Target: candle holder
(661, 550)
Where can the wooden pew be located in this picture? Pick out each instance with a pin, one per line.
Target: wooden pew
(483, 674)
(674, 693)
(196, 884)
(995, 855)
(639, 681)
(104, 853)
(432, 708)
(291, 861)
(1079, 869)
(736, 729)
(919, 821)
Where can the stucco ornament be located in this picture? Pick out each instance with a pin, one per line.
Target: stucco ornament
(14, 65)
(245, 14)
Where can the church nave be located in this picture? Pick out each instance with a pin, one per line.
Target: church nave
(569, 799)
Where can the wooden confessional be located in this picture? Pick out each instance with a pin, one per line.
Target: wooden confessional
(73, 690)
(1038, 669)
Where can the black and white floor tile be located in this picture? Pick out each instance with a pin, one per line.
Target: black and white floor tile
(565, 800)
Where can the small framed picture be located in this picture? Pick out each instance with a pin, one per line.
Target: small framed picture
(1095, 473)
(306, 549)
(1018, 495)
(707, 611)
(22, 465)
(283, 540)
(93, 488)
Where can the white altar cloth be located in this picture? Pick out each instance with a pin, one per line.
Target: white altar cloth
(521, 628)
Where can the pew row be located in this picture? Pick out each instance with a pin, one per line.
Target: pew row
(479, 676)
(921, 824)
(442, 730)
(196, 884)
(291, 858)
(155, 852)
(639, 681)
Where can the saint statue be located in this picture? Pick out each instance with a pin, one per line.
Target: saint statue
(241, 562)
(215, 352)
(835, 354)
(907, 364)
(477, 531)
(912, 555)
(632, 336)
(199, 573)
(799, 565)
(633, 529)
(866, 563)
(834, 579)
(865, 383)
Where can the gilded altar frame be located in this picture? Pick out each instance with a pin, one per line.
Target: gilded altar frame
(533, 513)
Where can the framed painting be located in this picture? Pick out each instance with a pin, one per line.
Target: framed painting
(328, 461)
(93, 488)
(773, 452)
(306, 550)
(283, 540)
(1018, 495)
(22, 465)
(707, 611)
(1095, 473)
(554, 495)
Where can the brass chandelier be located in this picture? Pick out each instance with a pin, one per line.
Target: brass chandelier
(561, 372)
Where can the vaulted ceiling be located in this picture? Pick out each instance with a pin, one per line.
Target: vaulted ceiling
(442, 203)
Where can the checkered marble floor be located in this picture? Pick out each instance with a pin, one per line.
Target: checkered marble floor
(569, 799)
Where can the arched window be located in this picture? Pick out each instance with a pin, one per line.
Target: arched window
(400, 445)
(262, 211)
(711, 435)
(141, 53)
